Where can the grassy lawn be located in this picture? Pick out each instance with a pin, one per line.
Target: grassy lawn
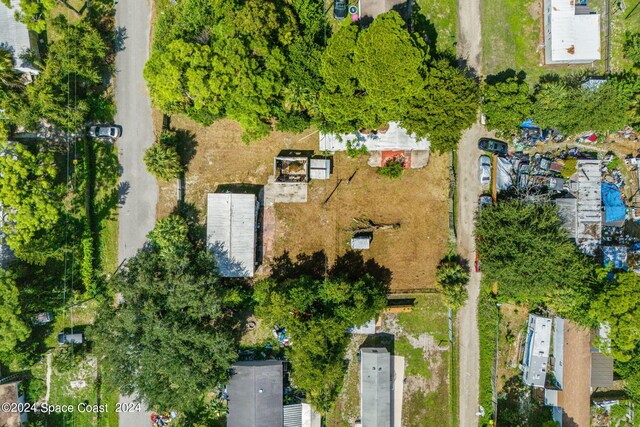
(109, 244)
(512, 37)
(487, 324)
(621, 22)
(442, 14)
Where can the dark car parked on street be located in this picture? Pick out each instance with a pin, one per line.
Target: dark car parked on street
(493, 146)
(340, 9)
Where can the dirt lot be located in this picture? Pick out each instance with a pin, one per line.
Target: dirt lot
(417, 201)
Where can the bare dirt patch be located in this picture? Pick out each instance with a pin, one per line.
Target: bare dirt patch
(418, 200)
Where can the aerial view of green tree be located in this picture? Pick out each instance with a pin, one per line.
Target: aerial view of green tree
(618, 307)
(452, 279)
(162, 158)
(30, 196)
(607, 107)
(384, 73)
(169, 336)
(506, 102)
(228, 59)
(316, 314)
(13, 329)
(524, 249)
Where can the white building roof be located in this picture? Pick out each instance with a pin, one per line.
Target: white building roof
(536, 351)
(570, 38)
(14, 35)
(395, 138)
(231, 232)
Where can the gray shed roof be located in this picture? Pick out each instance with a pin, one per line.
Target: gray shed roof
(361, 242)
(14, 35)
(536, 351)
(255, 394)
(231, 232)
(375, 387)
(568, 212)
(601, 370)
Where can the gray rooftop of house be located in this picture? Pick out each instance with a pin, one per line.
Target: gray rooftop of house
(14, 35)
(568, 212)
(256, 394)
(558, 350)
(395, 138)
(536, 351)
(375, 387)
(231, 232)
(601, 370)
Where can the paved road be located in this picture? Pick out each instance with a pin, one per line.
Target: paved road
(137, 214)
(470, 50)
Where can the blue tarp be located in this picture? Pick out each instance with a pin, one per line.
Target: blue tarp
(614, 208)
(528, 124)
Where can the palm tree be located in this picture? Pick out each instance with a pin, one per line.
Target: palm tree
(452, 279)
(8, 75)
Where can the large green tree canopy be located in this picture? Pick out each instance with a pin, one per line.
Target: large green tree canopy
(507, 102)
(384, 73)
(317, 313)
(225, 58)
(618, 306)
(30, 197)
(13, 329)
(169, 337)
(523, 248)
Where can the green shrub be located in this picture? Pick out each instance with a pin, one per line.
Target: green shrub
(487, 325)
(354, 151)
(570, 167)
(87, 268)
(632, 47)
(162, 158)
(392, 169)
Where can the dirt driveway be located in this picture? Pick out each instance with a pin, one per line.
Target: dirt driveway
(469, 190)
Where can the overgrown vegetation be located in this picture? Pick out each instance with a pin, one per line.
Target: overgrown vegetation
(227, 59)
(57, 188)
(169, 335)
(316, 312)
(608, 107)
(255, 62)
(518, 241)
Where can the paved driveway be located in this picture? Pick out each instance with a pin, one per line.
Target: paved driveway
(137, 214)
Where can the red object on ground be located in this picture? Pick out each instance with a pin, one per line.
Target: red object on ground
(392, 155)
(593, 137)
(477, 263)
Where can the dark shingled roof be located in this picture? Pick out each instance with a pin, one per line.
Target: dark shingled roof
(255, 394)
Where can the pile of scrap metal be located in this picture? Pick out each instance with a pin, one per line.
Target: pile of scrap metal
(531, 135)
(536, 174)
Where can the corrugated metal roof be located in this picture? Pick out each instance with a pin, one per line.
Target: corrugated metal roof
(293, 415)
(536, 353)
(589, 205)
(255, 394)
(570, 37)
(375, 387)
(231, 232)
(14, 35)
(568, 212)
(395, 138)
